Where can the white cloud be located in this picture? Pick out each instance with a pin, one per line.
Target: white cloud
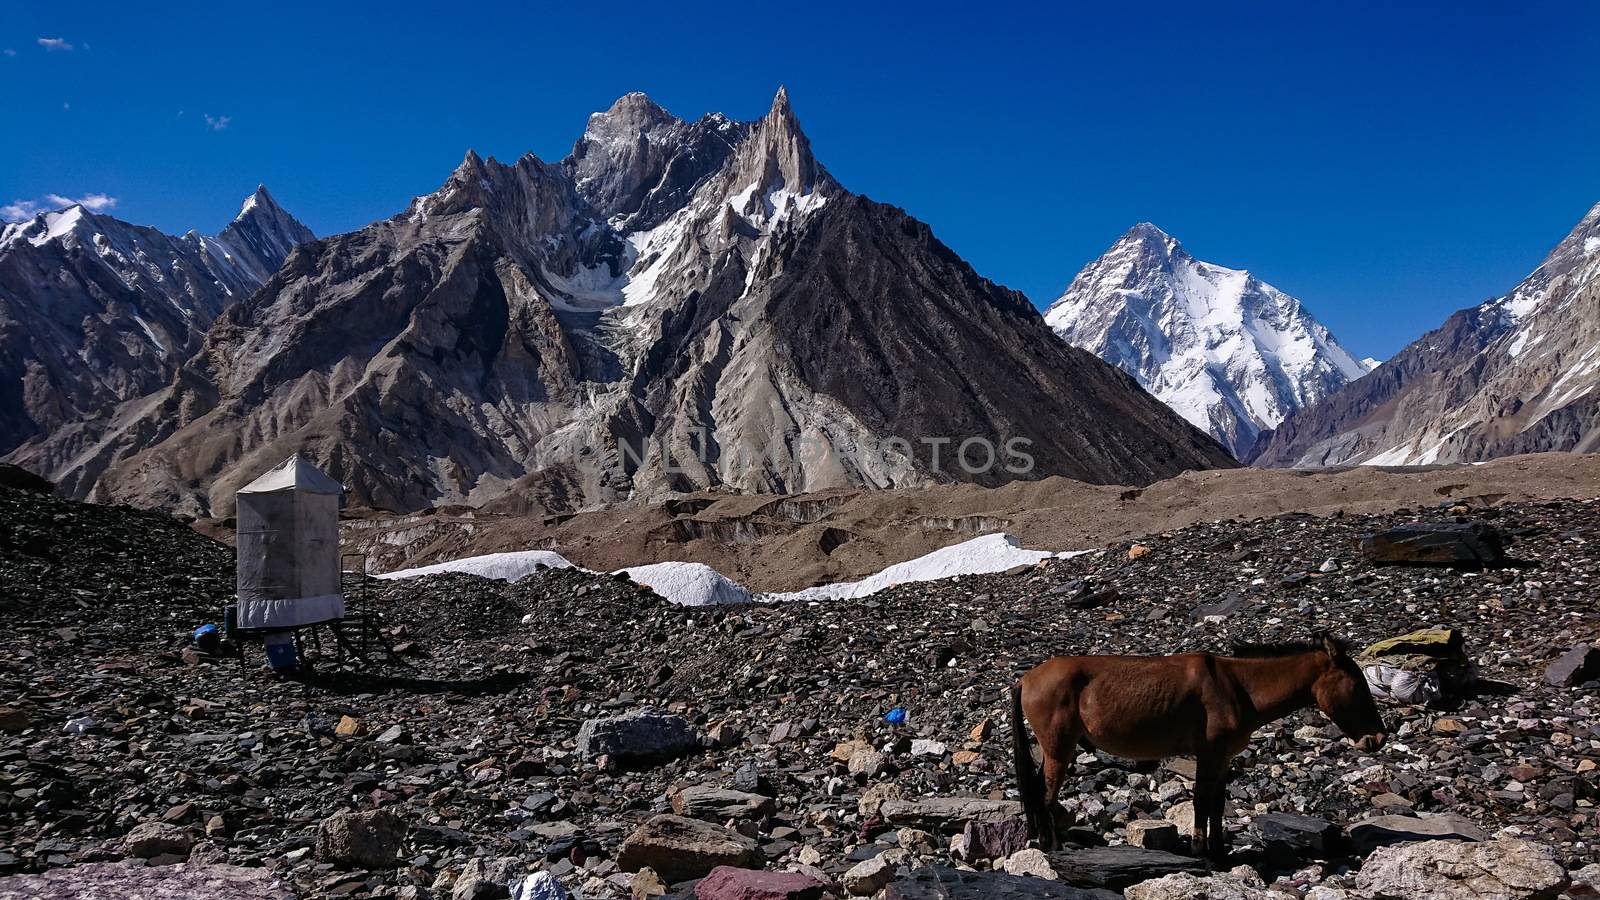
(20, 210)
(217, 123)
(54, 44)
(9, 52)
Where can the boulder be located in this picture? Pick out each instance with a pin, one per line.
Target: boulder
(1119, 867)
(1574, 667)
(1471, 544)
(947, 814)
(940, 883)
(1585, 883)
(13, 720)
(1504, 869)
(729, 883)
(679, 848)
(1183, 886)
(368, 840)
(640, 736)
(183, 881)
(1368, 835)
(704, 802)
(870, 876)
(992, 840)
(152, 839)
(1030, 861)
(1296, 836)
(486, 879)
(1154, 834)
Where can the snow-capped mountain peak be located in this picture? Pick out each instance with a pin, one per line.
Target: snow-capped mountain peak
(1227, 351)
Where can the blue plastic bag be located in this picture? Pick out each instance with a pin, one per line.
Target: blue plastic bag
(896, 716)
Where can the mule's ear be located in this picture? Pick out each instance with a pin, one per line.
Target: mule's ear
(1331, 644)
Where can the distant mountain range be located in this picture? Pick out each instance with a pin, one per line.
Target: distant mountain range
(95, 311)
(684, 305)
(1230, 353)
(677, 305)
(1516, 374)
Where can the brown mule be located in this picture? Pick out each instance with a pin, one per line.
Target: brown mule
(1190, 704)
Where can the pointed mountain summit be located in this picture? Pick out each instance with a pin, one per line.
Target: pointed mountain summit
(1518, 373)
(1230, 353)
(96, 311)
(675, 306)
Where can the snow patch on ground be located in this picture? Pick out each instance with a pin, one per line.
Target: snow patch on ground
(504, 566)
(689, 583)
(990, 553)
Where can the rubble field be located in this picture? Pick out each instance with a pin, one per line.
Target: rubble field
(512, 741)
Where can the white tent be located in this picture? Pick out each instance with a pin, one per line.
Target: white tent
(288, 547)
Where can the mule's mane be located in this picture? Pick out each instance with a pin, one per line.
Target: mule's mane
(1293, 648)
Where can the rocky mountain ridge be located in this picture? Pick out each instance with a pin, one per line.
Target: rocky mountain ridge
(675, 306)
(1518, 373)
(1230, 353)
(95, 311)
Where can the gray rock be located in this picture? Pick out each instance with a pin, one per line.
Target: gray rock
(947, 814)
(940, 883)
(679, 849)
(1289, 834)
(1119, 867)
(1154, 834)
(1503, 869)
(151, 839)
(487, 879)
(1580, 664)
(185, 881)
(366, 839)
(1183, 886)
(992, 840)
(704, 802)
(870, 876)
(1436, 544)
(1369, 834)
(643, 735)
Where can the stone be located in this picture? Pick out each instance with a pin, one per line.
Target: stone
(679, 848)
(965, 757)
(1118, 867)
(1138, 551)
(543, 886)
(873, 798)
(1154, 834)
(916, 841)
(184, 881)
(13, 720)
(394, 734)
(1184, 886)
(645, 884)
(1468, 544)
(992, 840)
(1574, 667)
(925, 747)
(486, 879)
(868, 763)
(941, 883)
(870, 876)
(1293, 835)
(349, 726)
(1504, 869)
(1369, 834)
(151, 839)
(640, 736)
(729, 883)
(982, 730)
(1585, 883)
(947, 814)
(368, 840)
(1029, 861)
(704, 802)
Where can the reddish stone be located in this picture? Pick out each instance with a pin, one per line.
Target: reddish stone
(728, 883)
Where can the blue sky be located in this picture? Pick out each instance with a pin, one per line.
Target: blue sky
(1385, 165)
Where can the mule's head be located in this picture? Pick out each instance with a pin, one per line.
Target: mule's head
(1342, 694)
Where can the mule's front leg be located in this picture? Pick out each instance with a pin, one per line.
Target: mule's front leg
(1210, 797)
(1200, 831)
(1218, 850)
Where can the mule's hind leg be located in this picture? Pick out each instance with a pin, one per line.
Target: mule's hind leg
(1210, 798)
(1055, 771)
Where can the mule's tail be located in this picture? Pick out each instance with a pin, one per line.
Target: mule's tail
(1030, 782)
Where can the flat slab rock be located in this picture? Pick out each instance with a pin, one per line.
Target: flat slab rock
(1504, 869)
(1436, 544)
(939, 883)
(1368, 835)
(184, 881)
(1118, 867)
(949, 814)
